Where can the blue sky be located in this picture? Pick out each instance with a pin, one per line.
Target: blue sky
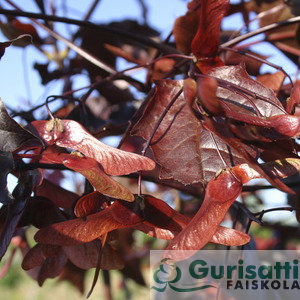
(17, 62)
(161, 16)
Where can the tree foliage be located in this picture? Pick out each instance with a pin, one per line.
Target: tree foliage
(208, 123)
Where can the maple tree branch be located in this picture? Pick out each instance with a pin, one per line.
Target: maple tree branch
(261, 30)
(247, 231)
(80, 51)
(192, 189)
(144, 10)
(55, 97)
(253, 188)
(248, 213)
(258, 59)
(91, 9)
(110, 129)
(67, 94)
(287, 208)
(32, 166)
(258, 17)
(164, 48)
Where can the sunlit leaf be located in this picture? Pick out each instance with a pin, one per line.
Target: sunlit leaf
(70, 134)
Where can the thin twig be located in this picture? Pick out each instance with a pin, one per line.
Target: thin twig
(91, 9)
(33, 166)
(259, 59)
(104, 28)
(259, 16)
(287, 208)
(83, 53)
(261, 30)
(253, 188)
(250, 215)
(48, 109)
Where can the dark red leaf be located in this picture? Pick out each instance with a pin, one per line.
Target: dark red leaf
(278, 150)
(219, 196)
(272, 81)
(187, 152)
(15, 210)
(159, 214)
(128, 213)
(190, 90)
(6, 165)
(52, 267)
(207, 88)
(41, 212)
(252, 65)
(74, 275)
(208, 64)
(294, 98)
(249, 152)
(281, 168)
(89, 204)
(13, 136)
(90, 169)
(206, 42)
(240, 104)
(120, 214)
(161, 68)
(85, 256)
(70, 134)
(184, 30)
(78, 230)
(33, 258)
(111, 259)
(58, 195)
(50, 250)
